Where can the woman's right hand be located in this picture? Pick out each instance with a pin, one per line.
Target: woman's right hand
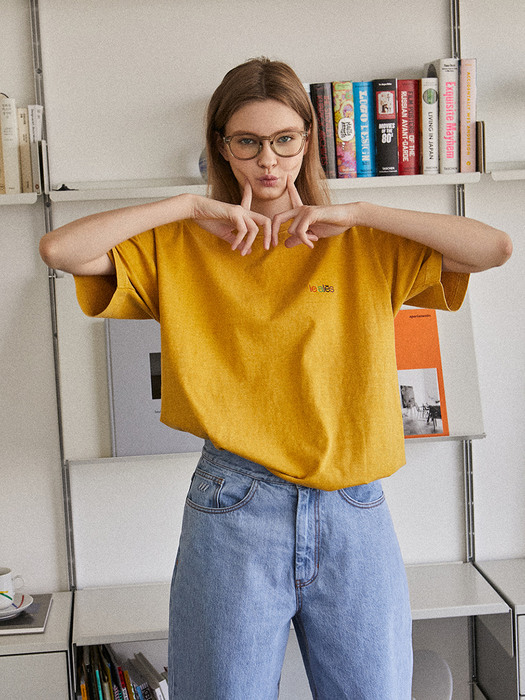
(234, 223)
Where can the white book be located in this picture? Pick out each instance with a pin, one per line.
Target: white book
(447, 72)
(36, 121)
(10, 151)
(429, 126)
(26, 173)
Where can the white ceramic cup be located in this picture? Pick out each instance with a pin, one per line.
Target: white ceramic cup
(9, 584)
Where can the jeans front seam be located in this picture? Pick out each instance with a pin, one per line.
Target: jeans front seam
(317, 537)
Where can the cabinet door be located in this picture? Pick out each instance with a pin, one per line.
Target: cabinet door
(35, 676)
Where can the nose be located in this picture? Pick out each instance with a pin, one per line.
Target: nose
(266, 158)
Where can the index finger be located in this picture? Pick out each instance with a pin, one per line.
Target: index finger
(295, 197)
(246, 200)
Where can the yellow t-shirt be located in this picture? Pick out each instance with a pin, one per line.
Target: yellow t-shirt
(285, 357)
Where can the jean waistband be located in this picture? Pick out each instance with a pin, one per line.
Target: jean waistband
(230, 460)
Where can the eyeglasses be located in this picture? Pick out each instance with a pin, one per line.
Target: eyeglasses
(284, 143)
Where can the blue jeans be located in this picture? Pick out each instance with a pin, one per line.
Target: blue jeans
(257, 552)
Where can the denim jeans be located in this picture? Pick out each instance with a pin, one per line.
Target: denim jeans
(257, 552)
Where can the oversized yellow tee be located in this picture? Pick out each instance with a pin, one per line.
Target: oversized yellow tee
(285, 357)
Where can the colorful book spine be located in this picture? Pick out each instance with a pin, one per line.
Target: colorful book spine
(447, 71)
(467, 114)
(429, 123)
(408, 127)
(364, 129)
(322, 101)
(385, 108)
(343, 96)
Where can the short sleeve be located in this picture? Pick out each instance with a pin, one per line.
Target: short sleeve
(133, 291)
(415, 273)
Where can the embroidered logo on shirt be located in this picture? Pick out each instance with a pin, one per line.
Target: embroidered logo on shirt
(321, 288)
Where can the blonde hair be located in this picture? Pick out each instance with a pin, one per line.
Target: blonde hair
(257, 80)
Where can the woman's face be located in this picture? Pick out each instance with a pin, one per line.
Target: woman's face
(267, 173)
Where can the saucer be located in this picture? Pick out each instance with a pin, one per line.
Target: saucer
(21, 602)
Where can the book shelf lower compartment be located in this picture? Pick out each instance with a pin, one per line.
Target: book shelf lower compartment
(130, 613)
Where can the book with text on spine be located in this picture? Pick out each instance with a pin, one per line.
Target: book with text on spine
(344, 122)
(446, 71)
(364, 129)
(385, 108)
(322, 101)
(429, 118)
(408, 126)
(467, 114)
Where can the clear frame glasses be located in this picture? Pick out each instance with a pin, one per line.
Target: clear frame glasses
(283, 143)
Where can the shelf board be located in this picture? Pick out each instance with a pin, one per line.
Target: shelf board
(138, 613)
(404, 181)
(159, 189)
(26, 198)
(508, 578)
(501, 172)
(121, 614)
(451, 590)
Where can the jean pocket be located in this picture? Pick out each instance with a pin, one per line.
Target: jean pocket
(364, 495)
(212, 493)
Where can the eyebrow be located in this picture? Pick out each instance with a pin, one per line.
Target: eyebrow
(279, 131)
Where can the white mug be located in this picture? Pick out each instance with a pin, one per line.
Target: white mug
(9, 584)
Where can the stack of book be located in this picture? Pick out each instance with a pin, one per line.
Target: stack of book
(101, 675)
(22, 150)
(394, 126)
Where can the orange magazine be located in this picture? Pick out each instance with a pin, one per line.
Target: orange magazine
(421, 387)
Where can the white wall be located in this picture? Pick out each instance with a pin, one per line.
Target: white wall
(32, 540)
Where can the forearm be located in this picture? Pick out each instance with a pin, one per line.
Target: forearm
(467, 245)
(81, 246)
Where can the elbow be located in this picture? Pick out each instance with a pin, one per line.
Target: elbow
(47, 250)
(504, 249)
(508, 248)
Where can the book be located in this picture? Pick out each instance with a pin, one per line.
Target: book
(420, 373)
(408, 127)
(467, 114)
(385, 115)
(364, 129)
(10, 151)
(344, 127)
(322, 101)
(36, 122)
(155, 680)
(446, 70)
(32, 620)
(481, 165)
(429, 126)
(26, 172)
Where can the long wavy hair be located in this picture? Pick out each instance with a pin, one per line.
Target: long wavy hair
(257, 80)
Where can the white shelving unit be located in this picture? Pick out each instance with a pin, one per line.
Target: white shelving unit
(153, 189)
(115, 614)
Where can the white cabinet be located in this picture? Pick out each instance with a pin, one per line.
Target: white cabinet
(36, 666)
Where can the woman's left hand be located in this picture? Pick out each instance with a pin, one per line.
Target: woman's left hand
(310, 223)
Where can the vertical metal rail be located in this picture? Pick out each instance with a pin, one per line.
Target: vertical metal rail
(455, 40)
(52, 276)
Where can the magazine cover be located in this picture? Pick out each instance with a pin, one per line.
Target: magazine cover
(420, 373)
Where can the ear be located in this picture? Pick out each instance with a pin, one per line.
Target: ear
(222, 148)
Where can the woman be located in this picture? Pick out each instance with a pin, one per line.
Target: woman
(282, 358)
